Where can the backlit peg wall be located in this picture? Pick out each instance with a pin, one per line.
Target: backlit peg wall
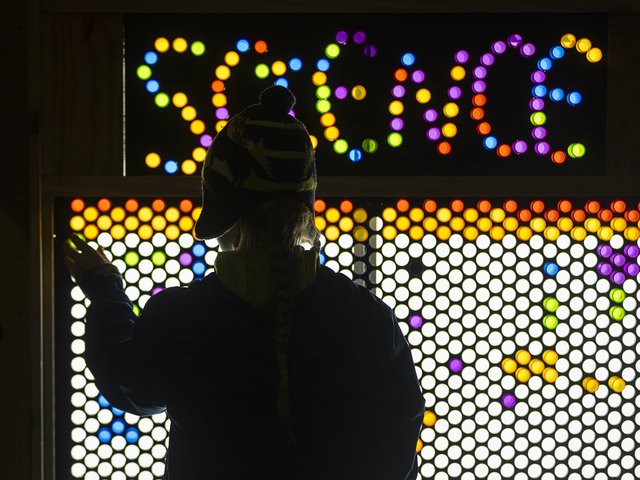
(522, 318)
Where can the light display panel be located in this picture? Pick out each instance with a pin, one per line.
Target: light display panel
(522, 318)
(393, 95)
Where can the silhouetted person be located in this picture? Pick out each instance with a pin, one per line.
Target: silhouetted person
(274, 366)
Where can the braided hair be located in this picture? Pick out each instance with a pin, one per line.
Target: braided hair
(280, 225)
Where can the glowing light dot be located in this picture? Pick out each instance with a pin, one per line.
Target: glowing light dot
(369, 145)
(394, 139)
(576, 150)
(527, 50)
(331, 133)
(454, 92)
(323, 106)
(396, 107)
(508, 400)
(359, 37)
(223, 72)
(323, 65)
(538, 118)
(355, 155)
(150, 58)
(143, 72)
(295, 64)
(396, 124)
(171, 167)
(594, 55)
(319, 78)
(262, 71)
(341, 93)
(408, 59)
(332, 51)
(458, 73)
(490, 143)
(574, 98)
(370, 51)
(152, 160)
(197, 48)
(152, 86)
(358, 92)
(538, 76)
(450, 110)
(197, 127)
(519, 147)
(243, 45)
(617, 295)
(417, 76)
(514, 40)
(545, 64)
(461, 56)
(221, 114)
(231, 58)
(583, 45)
(551, 268)
(188, 113)
(327, 119)
(161, 100)
(556, 94)
(260, 46)
(433, 134)
(161, 44)
(423, 96)
(342, 37)
(617, 384)
(550, 321)
(398, 91)
(539, 91)
(568, 40)
(479, 72)
(219, 100)
(278, 68)
(188, 167)
(478, 86)
(558, 157)
(199, 153)
(340, 146)
(449, 130)
(179, 45)
(556, 52)
(487, 59)
(504, 150)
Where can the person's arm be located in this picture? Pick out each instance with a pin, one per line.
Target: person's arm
(119, 348)
(396, 406)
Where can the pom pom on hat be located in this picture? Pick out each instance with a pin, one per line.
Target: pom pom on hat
(277, 99)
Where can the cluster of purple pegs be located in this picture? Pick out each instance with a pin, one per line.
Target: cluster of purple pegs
(618, 266)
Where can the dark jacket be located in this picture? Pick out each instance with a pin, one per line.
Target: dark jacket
(205, 355)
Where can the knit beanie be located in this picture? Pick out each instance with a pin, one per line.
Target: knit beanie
(262, 153)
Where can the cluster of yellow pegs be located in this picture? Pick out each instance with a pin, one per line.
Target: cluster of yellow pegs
(524, 366)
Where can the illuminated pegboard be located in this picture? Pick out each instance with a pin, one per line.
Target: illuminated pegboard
(522, 317)
(400, 95)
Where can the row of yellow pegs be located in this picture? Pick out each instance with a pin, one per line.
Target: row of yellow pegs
(615, 383)
(536, 366)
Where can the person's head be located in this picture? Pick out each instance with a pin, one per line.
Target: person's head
(261, 158)
(258, 190)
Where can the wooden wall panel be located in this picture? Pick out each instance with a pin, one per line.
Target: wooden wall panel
(244, 6)
(623, 98)
(81, 130)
